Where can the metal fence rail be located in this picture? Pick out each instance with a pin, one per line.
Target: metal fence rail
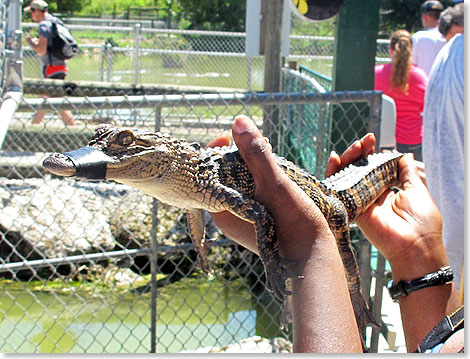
(98, 267)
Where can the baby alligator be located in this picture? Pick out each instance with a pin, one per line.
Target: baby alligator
(185, 175)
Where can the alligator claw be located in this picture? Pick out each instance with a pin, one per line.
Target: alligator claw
(276, 284)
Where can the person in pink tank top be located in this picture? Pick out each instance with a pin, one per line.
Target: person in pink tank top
(406, 84)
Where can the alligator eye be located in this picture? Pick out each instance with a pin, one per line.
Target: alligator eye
(125, 138)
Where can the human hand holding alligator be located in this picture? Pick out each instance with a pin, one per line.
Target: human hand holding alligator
(320, 302)
(406, 227)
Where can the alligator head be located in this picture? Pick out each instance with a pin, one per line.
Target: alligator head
(120, 154)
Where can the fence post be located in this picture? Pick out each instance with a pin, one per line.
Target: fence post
(250, 73)
(103, 59)
(109, 52)
(375, 119)
(377, 305)
(138, 31)
(153, 257)
(14, 46)
(272, 69)
(12, 89)
(354, 60)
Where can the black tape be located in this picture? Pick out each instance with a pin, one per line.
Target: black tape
(89, 163)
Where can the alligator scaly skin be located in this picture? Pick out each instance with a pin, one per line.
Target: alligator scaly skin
(185, 175)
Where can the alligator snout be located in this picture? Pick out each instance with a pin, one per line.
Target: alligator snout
(85, 162)
(59, 164)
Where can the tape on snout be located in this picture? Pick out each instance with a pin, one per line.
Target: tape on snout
(89, 163)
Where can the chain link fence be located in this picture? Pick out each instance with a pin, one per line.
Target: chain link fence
(98, 267)
(181, 58)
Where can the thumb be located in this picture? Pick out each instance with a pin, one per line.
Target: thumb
(409, 176)
(255, 150)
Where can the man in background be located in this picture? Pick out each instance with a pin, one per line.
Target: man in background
(451, 21)
(428, 42)
(52, 67)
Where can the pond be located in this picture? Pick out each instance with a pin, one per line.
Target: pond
(79, 317)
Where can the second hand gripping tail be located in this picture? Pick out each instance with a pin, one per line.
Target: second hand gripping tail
(188, 176)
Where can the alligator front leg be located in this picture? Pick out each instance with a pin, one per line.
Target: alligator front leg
(197, 230)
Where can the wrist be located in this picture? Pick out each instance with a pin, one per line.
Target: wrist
(303, 251)
(426, 255)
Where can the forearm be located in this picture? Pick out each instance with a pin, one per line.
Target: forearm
(423, 309)
(33, 42)
(237, 229)
(39, 45)
(322, 313)
(323, 318)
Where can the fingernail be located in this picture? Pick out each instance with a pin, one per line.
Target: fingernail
(243, 124)
(333, 153)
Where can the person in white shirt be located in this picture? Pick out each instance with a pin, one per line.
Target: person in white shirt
(443, 146)
(428, 42)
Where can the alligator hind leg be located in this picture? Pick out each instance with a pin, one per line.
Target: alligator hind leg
(268, 245)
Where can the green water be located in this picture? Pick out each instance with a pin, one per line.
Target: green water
(77, 318)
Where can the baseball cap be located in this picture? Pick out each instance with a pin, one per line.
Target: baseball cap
(432, 5)
(37, 4)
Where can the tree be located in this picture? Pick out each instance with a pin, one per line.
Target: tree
(402, 14)
(63, 6)
(214, 15)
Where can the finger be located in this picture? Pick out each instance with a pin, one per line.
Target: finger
(368, 144)
(254, 149)
(333, 165)
(409, 175)
(359, 148)
(220, 141)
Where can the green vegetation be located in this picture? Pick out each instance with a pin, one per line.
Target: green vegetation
(229, 15)
(402, 14)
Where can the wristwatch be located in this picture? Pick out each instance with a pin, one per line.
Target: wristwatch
(403, 288)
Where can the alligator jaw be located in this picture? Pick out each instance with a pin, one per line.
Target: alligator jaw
(85, 162)
(59, 164)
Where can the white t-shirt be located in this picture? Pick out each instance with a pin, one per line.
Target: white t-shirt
(443, 146)
(426, 45)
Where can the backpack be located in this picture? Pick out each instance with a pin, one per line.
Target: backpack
(63, 44)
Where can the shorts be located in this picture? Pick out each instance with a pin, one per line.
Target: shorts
(414, 149)
(57, 72)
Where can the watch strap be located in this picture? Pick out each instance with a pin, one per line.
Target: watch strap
(403, 288)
